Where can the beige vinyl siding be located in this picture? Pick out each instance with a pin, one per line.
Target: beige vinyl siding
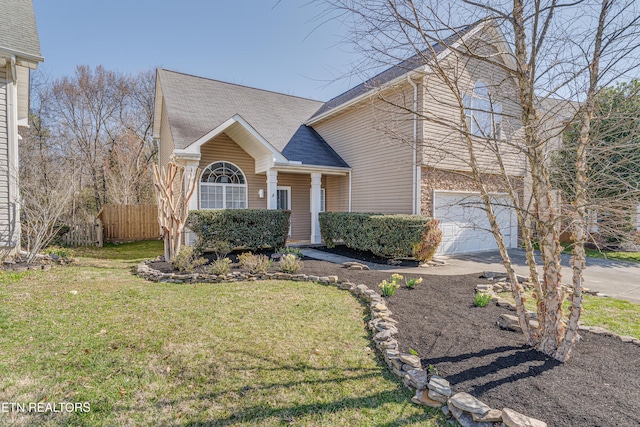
(5, 214)
(373, 138)
(166, 139)
(223, 148)
(337, 193)
(300, 203)
(444, 146)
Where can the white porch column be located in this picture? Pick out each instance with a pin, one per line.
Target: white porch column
(189, 170)
(316, 184)
(272, 189)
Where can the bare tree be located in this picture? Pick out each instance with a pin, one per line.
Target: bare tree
(173, 203)
(46, 186)
(542, 69)
(128, 171)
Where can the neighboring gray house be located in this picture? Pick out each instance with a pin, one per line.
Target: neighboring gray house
(19, 53)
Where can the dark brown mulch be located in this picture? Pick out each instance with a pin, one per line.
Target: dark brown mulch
(598, 386)
(368, 256)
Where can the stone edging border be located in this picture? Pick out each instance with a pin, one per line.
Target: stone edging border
(507, 321)
(431, 390)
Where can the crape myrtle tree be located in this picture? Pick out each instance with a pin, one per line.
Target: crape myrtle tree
(538, 52)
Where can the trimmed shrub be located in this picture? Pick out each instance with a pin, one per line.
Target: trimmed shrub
(388, 236)
(220, 266)
(254, 263)
(241, 228)
(431, 238)
(186, 260)
(289, 263)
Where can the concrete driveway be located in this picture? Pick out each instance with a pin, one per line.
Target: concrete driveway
(615, 278)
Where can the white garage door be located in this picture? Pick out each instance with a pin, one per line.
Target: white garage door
(464, 223)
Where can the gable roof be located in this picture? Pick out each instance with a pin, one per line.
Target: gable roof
(196, 105)
(18, 31)
(396, 71)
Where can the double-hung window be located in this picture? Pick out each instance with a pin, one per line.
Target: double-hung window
(484, 117)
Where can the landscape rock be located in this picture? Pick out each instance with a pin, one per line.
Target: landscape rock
(417, 379)
(383, 336)
(437, 396)
(439, 385)
(422, 398)
(511, 418)
(465, 419)
(493, 416)
(468, 403)
(411, 360)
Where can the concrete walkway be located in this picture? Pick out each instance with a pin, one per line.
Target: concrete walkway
(617, 279)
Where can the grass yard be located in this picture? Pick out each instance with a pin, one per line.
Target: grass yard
(253, 353)
(616, 256)
(615, 315)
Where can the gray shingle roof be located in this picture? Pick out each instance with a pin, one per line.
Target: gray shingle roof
(18, 31)
(308, 147)
(393, 72)
(196, 105)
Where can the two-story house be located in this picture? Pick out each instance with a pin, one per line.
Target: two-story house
(382, 146)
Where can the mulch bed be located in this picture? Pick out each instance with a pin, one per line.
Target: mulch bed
(368, 256)
(598, 386)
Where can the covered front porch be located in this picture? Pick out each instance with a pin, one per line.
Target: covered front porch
(239, 170)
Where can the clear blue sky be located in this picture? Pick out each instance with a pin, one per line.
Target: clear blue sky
(259, 43)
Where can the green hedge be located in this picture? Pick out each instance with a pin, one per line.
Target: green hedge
(247, 228)
(387, 236)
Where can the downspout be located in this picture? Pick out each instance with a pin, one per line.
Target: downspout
(350, 191)
(12, 133)
(415, 196)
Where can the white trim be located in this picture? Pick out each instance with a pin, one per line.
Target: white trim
(12, 146)
(323, 200)
(286, 188)
(421, 69)
(414, 193)
(272, 188)
(316, 185)
(224, 195)
(194, 147)
(350, 187)
(325, 170)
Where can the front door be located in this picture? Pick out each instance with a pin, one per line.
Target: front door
(284, 201)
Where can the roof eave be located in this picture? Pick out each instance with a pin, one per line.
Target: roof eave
(29, 60)
(421, 70)
(292, 166)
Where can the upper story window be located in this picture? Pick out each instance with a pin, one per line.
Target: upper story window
(223, 186)
(484, 117)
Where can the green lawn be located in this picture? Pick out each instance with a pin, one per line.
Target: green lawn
(260, 353)
(618, 256)
(615, 315)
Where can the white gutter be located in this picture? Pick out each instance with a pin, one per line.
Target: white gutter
(302, 168)
(414, 197)
(350, 173)
(8, 53)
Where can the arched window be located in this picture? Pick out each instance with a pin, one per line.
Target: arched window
(482, 113)
(223, 186)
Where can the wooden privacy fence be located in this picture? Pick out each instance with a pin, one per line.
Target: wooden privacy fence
(127, 223)
(84, 235)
